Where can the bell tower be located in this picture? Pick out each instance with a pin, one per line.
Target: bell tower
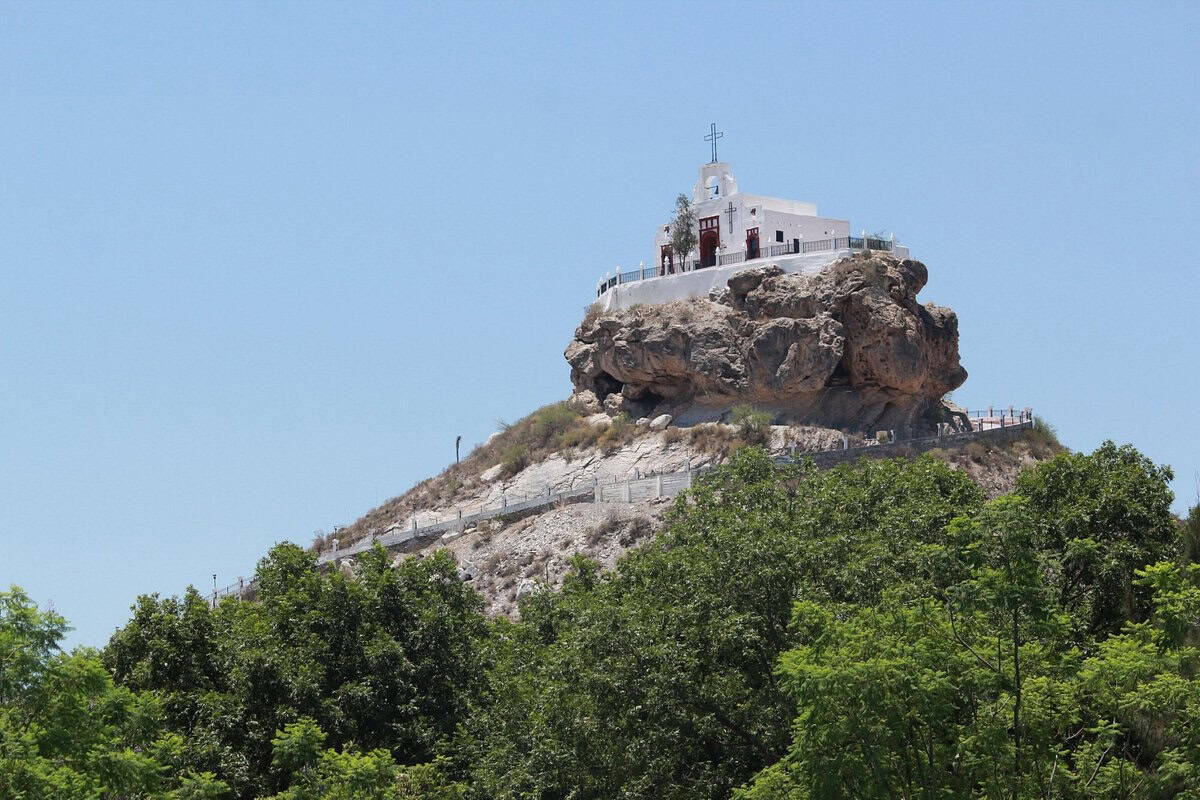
(716, 181)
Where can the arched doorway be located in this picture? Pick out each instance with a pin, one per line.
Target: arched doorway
(710, 240)
(666, 261)
(751, 243)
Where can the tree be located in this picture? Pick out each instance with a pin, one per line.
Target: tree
(67, 731)
(389, 659)
(1099, 518)
(657, 680)
(683, 230)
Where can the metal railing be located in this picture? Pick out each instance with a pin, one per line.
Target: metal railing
(641, 488)
(765, 251)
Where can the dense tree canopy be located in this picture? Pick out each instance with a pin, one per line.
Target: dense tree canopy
(877, 630)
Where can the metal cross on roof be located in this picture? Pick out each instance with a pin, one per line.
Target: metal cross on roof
(713, 135)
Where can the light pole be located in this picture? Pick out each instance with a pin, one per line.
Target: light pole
(457, 440)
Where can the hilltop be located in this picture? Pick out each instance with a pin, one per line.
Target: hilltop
(793, 364)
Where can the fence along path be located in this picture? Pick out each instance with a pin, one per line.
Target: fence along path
(996, 423)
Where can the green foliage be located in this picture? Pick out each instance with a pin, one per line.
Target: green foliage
(1100, 518)
(65, 730)
(619, 431)
(388, 660)
(1043, 438)
(297, 746)
(551, 422)
(683, 230)
(28, 637)
(657, 680)
(982, 692)
(753, 426)
(514, 459)
(1190, 535)
(876, 630)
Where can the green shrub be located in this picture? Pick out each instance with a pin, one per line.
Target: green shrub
(550, 422)
(753, 426)
(1191, 536)
(579, 435)
(1043, 438)
(618, 433)
(514, 459)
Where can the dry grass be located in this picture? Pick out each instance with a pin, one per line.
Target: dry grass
(714, 439)
(591, 314)
(556, 428)
(610, 525)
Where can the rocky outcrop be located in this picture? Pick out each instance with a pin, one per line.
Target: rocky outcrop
(847, 348)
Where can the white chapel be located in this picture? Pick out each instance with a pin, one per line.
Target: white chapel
(734, 228)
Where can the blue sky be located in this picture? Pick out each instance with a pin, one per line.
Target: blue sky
(261, 263)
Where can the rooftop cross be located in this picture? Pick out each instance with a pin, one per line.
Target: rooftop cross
(713, 135)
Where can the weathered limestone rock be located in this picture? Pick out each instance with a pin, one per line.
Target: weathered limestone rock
(600, 420)
(660, 422)
(586, 401)
(847, 348)
(491, 473)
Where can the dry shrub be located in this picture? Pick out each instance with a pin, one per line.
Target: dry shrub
(608, 526)
(977, 452)
(637, 529)
(671, 436)
(714, 438)
(591, 314)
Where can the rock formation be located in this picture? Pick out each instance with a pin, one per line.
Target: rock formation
(847, 348)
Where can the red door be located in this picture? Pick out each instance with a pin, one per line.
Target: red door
(710, 240)
(751, 243)
(666, 263)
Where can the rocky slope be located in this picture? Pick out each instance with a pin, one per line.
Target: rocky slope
(849, 348)
(505, 559)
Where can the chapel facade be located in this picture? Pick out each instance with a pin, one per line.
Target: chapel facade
(733, 226)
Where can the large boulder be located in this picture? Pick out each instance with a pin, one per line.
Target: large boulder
(849, 348)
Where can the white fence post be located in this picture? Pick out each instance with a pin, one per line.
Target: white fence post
(658, 485)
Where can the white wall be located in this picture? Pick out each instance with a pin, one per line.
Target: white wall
(698, 283)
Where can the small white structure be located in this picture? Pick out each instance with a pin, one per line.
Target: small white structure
(735, 227)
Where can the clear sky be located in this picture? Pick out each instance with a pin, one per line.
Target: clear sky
(261, 263)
